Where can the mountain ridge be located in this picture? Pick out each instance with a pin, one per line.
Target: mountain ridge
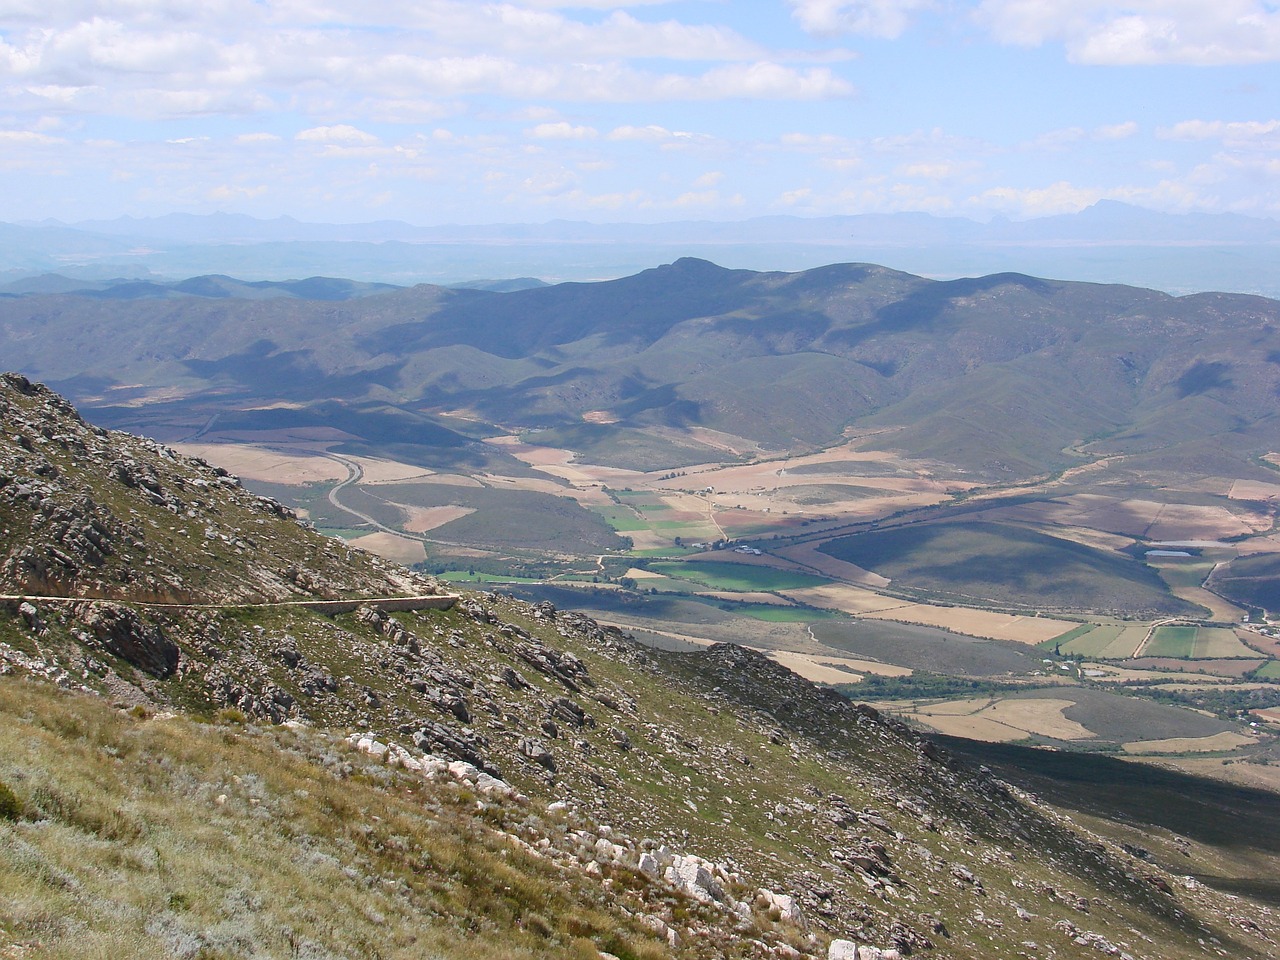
(692, 343)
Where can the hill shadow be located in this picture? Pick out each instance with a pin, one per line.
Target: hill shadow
(1212, 812)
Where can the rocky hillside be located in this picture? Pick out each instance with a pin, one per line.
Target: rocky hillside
(492, 779)
(88, 512)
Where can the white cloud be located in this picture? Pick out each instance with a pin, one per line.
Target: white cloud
(652, 133)
(257, 138)
(1141, 32)
(226, 192)
(340, 134)
(1057, 139)
(1116, 131)
(1060, 197)
(563, 131)
(928, 171)
(875, 18)
(29, 137)
(1238, 132)
(762, 81)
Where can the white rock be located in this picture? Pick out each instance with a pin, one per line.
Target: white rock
(461, 770)
(433, 768)
(492, 785)
(842, 950)
(786, 906)
(649, 864)
(692, 876)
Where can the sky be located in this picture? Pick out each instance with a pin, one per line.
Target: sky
(450, 111)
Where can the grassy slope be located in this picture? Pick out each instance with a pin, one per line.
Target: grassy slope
(155, 838)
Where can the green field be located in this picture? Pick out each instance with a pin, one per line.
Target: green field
(1193, 643)
(461, 576)
(1268, 671)
(1172, 642)
(775, 614)
(1087, 640)
(622, 519)
(1006, 564)
(739, 577)
(1065, 638)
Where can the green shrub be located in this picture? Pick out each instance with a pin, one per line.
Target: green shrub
(10, 805)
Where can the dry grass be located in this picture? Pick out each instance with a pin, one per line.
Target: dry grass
(148, 838)
(977, 623)
(1002, 720)
(1219, 741)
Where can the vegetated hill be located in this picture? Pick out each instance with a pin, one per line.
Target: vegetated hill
(496, 779)
(1008, 564)
(1000, 376)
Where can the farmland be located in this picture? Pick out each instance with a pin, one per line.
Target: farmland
(867, 563)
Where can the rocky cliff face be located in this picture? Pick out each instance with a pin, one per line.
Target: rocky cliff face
(722, 803)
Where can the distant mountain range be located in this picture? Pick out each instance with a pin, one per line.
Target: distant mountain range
(997, 378)
(1108, 242)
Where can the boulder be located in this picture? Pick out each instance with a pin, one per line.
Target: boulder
(122, 632)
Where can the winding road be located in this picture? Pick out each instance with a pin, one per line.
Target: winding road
(355, 473)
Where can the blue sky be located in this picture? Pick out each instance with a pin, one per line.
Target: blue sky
(448, 111)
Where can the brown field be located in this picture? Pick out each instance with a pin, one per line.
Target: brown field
(1219, 741)
(422, 519)
(984, 718)
(1254, 490)
(1114, 674)
(837, 596)
(1177, 521)
(768, 598)
(969, 727)
(388, 545)
(1219, 668)
(1260, 776)
(390, 471)
(1259, 545)
(1219, 609)
(1260, 642)
(449, 480)
(829, 670)
(250, 462)
(1139, 518)
(977, 623)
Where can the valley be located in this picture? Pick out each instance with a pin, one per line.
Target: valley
(1002, 480)
(759, 550)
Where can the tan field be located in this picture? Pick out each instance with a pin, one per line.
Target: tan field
(1140, 518)
(969, 727)
(1219, 741)
(852, 600)
(251, 462)
(768, 598)
(422, 519)
(977, 623)
(828, 670)
(1009, 719)
(388, 545)
(1254, 490)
